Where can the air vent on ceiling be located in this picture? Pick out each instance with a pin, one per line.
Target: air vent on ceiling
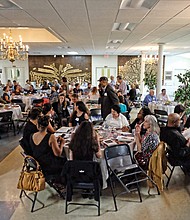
(125, 4)
(111, 47)
(123, 26)
(115, 41)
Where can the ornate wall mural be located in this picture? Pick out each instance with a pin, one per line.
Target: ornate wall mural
(75, 68)
(131, 70)
(51, 73)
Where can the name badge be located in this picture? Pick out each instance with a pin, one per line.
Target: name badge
(76, 119)
(105, 94)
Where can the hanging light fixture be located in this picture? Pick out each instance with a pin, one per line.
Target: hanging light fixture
(151, 59)
(11, 50)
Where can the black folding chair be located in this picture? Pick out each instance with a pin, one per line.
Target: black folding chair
(172, 164)
(123, 169)
(82, 175)
(31, 164)
(162, 116)
(50, 180)
(6, 120)
(96, 117)
(37, 102)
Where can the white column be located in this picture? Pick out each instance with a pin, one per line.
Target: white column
(142, 89)
(160, 68)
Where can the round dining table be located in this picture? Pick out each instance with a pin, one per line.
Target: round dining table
(107, 137)
(169, 108)
(17, 113)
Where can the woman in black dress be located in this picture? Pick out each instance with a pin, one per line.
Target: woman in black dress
(46, 149)
(79, 115)
(30, 128)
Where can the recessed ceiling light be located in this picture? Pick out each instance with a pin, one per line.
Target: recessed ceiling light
(72, 53)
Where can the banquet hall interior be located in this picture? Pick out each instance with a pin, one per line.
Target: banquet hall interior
(144, 42)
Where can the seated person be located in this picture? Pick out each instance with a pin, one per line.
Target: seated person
(139, 120)
(122, 106)
(149, 142)
(46, 149)
(115, 118)
(74, 99)
(48, 111)
(77, 89)
(17, 90)
(132, 93)
(6, 96)
(31, 90)
(163, 96)
(125, 101)
(63, 112)
(30, 128)
(180, 110)
(149, 98)
(79, 115)
(84, 143)
(54, 98)
(93, 94)
(45, 85)
(88, 89)
(179, 146)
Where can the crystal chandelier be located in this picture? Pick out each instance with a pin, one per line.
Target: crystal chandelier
(11, 50)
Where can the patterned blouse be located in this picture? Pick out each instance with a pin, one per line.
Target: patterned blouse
(149, 144)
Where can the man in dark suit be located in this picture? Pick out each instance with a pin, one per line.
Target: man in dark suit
(108, 97)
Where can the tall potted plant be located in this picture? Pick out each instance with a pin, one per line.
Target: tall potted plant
(150, 76)
(182, 94)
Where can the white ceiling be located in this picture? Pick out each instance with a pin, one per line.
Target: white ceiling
(87, 26)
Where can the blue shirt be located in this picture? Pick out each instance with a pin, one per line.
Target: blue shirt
(148, 98)
(123, 107)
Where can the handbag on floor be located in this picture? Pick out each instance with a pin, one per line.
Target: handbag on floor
(31, 179)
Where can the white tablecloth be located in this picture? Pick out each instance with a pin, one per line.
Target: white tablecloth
(17, 113)
(28, 99)
(168, 108)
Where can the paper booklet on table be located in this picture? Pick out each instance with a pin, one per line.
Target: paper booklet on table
(125, 138)
(109, 142)
(64, 130)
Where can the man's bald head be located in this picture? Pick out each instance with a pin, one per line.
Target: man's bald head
(173, 120)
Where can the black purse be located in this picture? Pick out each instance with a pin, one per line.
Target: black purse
(139, 158)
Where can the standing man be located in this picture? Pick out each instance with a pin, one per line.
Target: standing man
(108, 97)
(122, 85)
(112, 82)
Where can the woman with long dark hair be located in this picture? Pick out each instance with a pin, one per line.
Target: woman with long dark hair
(79, 115)
(84, 143)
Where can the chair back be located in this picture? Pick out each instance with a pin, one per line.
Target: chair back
(81, 171)
(6, 116)
(160, 112)
(31, 163)
(16, 101)
(37, 102)
(118, 156)
(95, 114)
